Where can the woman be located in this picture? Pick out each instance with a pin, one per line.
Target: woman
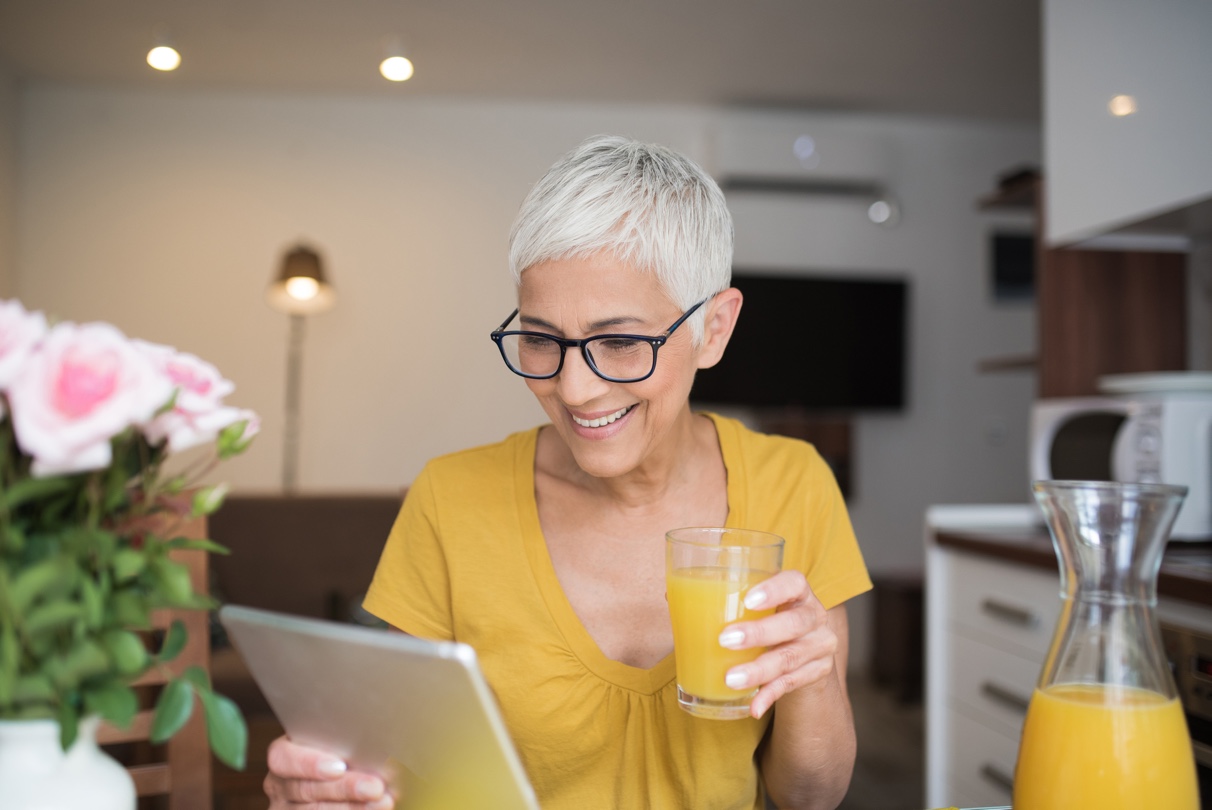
(546, 552)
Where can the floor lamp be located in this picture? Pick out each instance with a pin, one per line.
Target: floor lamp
(299, 289)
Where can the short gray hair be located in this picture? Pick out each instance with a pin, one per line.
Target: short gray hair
(646, 204)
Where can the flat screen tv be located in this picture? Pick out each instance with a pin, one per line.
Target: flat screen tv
(821, 343)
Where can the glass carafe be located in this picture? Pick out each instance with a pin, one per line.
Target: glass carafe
(1105, 728)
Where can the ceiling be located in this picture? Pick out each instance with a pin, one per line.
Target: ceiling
(936, 57)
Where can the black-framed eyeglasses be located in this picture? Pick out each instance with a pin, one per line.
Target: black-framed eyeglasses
(615, 358)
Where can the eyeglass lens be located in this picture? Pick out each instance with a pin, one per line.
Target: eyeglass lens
(614, 357)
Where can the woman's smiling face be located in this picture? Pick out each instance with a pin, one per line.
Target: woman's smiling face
(610, 428)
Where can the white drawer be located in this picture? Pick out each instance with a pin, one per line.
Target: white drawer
(982, 762)
(992, 683)
(1009, 606)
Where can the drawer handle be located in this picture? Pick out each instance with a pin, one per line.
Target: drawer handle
(997, 776)
(1009, 613)
(1004, 696)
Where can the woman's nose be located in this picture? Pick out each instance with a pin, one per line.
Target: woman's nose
(577, 383)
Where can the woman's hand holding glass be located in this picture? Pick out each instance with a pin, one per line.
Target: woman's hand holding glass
(301, 777)
(799, 639)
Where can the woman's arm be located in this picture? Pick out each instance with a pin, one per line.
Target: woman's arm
(808, 758)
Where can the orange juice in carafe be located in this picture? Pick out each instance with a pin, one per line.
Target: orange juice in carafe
(1105, 729)
(1104, 747)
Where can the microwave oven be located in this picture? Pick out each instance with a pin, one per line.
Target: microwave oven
(1162, 436)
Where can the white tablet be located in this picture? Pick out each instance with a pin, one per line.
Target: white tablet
(418, 712)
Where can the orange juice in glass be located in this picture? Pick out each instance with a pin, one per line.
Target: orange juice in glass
(1105, 747)
(708, 571)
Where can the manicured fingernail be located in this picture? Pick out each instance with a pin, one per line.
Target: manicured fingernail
(332, 767)
(732, 638)
(755, 598)
(737, 679)
(369, 789)
(385, 802)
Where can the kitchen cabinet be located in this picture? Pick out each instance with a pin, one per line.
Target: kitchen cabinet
(992, 603)
(989, 624)
(1098, 311)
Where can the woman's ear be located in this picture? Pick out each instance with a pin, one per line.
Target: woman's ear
(722, 312)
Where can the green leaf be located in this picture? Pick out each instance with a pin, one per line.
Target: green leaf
(126, 650)
(175, 485)
(198, 677)
(83, 542)
(68, 720)
(12, 539)
(10, 661)
(84, 660)
(129, 609)
(173, 709)
(174, 581)
(208, 499)
(226, 728)
(51, 615)
(37, 580)
(127, 564)
(92, 602)
(30, 489)
(198, 544)
(174, 642)
(114, 702)
(31, 688)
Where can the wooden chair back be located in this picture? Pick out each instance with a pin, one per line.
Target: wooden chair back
(180, 769)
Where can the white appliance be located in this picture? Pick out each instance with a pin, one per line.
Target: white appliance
(1147, 428)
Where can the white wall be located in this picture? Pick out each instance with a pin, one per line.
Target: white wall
(1104, 172)
(8, 178)
(166, 214)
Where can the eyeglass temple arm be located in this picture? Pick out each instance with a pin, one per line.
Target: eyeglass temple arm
(505, 323)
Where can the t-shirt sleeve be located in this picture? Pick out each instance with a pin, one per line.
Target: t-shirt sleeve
(831, 559)
(411, 585)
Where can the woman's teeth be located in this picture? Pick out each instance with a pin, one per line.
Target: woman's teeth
(603, 420)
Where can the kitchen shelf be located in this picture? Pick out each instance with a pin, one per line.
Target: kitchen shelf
(1014, 190)
(1009, 362)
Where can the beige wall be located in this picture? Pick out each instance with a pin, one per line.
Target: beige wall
(167, 213)
(8, 179)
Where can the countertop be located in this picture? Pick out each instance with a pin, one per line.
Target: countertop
(1186, 571)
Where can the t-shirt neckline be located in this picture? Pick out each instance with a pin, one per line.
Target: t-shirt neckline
(580, 642)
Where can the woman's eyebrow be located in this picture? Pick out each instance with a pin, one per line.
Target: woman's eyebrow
(605, 323)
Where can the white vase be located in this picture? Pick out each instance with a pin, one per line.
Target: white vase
(36, 774)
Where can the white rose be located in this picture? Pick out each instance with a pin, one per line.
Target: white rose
(198, 413)
(82, 386)
(20, 332)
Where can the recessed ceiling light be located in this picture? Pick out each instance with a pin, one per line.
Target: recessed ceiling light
(164, 57)
(1122, 105)
(396, 69)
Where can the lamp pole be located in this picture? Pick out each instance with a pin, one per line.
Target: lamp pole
(294, 374)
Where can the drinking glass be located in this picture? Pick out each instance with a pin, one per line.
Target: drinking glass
(708, 571)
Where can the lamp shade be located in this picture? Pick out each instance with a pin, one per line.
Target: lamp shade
(300, 287)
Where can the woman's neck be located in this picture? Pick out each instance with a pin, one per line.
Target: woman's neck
(669, 466)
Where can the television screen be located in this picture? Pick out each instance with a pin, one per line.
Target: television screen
(816, 342)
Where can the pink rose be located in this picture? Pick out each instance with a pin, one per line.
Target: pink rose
(20, 332)
(80, 388)
(198, 414)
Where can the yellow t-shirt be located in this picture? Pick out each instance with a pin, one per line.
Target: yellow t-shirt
(466, 560)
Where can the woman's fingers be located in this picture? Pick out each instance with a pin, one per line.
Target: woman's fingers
(780, 589)
(290, 760)
(302, 777)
